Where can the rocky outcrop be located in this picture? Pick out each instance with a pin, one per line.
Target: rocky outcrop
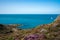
(4, 29)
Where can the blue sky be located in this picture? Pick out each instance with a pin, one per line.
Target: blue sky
(29, 6)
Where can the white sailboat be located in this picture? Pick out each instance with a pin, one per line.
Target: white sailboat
(51, 17)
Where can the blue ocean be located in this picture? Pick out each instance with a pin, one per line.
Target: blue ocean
(28, 20)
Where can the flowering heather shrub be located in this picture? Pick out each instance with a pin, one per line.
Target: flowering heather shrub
(32, 37)
(35, 37)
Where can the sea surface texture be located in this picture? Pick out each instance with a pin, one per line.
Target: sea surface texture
(28, 20)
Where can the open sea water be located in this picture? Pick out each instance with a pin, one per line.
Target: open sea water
(28, 20)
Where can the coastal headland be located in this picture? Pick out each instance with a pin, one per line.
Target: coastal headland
(41, 32)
